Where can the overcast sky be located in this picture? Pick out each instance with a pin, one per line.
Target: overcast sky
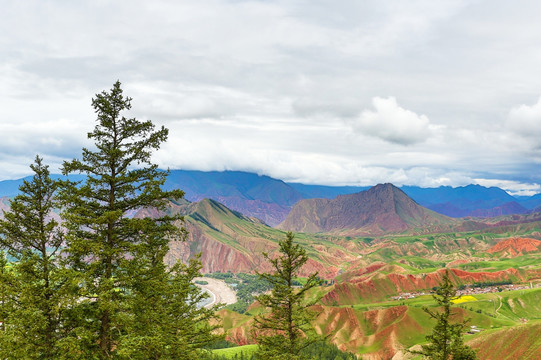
(424, 93)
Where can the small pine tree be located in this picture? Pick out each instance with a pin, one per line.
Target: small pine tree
(446, 341)
(286, 330)
(39, 287)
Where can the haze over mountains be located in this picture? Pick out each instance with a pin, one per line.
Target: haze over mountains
(271, 199)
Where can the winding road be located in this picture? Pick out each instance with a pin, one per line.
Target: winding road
(219, 291)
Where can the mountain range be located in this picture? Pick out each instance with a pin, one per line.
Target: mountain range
(270, 200)
(375, 246)
(338, 234)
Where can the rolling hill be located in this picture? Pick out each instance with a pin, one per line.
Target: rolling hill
(230, 241)
(516, 246)
(253, 195)
(382, 209)
(373, 245)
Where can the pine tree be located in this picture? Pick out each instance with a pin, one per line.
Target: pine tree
(7, 293)
(116, 257)
(169, 324)
(446, 341)
(38, 286)
(286, 330)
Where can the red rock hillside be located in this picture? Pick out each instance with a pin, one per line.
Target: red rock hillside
(230, 241)
(380, 285)
(514, 247)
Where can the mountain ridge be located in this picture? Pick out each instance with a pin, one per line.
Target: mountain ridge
(271, 199)
(381, 209)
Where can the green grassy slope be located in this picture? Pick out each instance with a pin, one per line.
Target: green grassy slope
(382, 329)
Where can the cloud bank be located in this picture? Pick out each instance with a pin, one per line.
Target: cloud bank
(293, 89)
(392, 123)
(525, 120)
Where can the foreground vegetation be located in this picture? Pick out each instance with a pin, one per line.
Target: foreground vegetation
(316, 351)
(99, 288)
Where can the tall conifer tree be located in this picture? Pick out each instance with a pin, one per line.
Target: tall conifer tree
(116, 256)
(286, 330)
(34, 287)
(7, 292)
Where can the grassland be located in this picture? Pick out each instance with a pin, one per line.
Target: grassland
(237, 350)
(366, 328)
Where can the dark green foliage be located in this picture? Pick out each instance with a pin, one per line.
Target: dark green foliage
(242, 356)
(220, 344)
(324, 351)
(7, 285)
(34, 288)
(446, 341)
(286, 330)
(492, 283)
(167, 323)
(228, 277)
(130, 304)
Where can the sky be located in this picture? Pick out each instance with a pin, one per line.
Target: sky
(341, 92)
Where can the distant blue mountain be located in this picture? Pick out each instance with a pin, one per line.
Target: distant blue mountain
(465, 195)
(245, 185)
(250, 194)
(271, 199)
(10, 188)
(470, 200)
(530, 202)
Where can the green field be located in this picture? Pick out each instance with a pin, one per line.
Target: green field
(237, 350)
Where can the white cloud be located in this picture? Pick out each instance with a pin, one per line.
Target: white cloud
(277, 86)
(512, 187)
(392, 123)
(525, 119)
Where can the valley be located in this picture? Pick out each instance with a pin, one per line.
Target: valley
(369, 263)
(379, 255)
(360, 307)
(270, 180)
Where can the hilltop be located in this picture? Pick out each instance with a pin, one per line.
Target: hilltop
(382, 209)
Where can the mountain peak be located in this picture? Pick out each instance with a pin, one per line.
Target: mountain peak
(380, 209)
(385, 188)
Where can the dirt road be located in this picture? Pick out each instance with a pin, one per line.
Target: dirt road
(219, 290)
